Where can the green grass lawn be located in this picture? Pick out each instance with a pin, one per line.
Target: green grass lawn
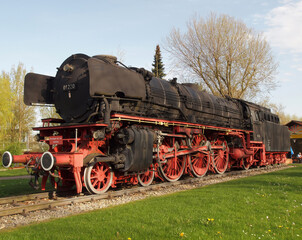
(260, 207)
(16, 187)
(8, 172)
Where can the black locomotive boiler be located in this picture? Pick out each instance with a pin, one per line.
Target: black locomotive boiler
(122, 125)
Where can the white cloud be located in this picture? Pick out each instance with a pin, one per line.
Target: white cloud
(285, 30)
(297, 59)
(285, 1)
(297, 67)
(264, 4)
(285, 80)
(288, 74)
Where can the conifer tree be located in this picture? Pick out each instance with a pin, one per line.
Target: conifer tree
(158, 66)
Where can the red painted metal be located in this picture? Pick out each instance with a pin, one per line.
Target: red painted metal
(74, 159)
(98, 177)
(172, 165)
(44, 180)
(77, 178)
(199, 161)
(189, 151)
(247, 162)
(220, 156)
(239, 153)
(146, 178)
(26, 157)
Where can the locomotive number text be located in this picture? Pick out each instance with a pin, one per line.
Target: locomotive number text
(69, 87)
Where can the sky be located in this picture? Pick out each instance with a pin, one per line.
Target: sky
(42, 34)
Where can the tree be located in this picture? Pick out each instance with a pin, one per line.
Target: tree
(279, 110)
(158, 66)
(284, 118)
(227, 57)
(23, 117)
(5, 109)
(16, 118)
(49, 112)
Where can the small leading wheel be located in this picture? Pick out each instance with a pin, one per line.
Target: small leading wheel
(246, 163)
(98, 177)
(146, 178)
(200, 161)
(220, 157)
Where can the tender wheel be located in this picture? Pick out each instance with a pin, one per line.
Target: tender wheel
(283, 158)
(98, 177)
(269, 159)
(199, 162)
(171, 169)
(277, 159)
(146, 178)
(220, 157)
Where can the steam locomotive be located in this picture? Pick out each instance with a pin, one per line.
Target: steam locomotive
(122, 125)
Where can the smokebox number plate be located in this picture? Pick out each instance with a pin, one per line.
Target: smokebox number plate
(69, 87)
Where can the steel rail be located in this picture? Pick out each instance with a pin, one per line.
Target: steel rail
(21, 198)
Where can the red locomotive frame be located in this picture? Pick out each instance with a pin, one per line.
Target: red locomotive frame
(180, 148)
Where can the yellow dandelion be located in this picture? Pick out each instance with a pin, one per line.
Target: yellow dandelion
(212, 219)
(280, 226)
(129, 238)
(269, 230)
(182, 234)
(218, 232)
(209, 219)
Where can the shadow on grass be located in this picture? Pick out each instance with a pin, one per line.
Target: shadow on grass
(17, 187)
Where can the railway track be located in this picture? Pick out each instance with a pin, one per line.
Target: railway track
(49, 200)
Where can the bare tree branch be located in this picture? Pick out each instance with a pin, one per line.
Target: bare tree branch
(227, 57)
